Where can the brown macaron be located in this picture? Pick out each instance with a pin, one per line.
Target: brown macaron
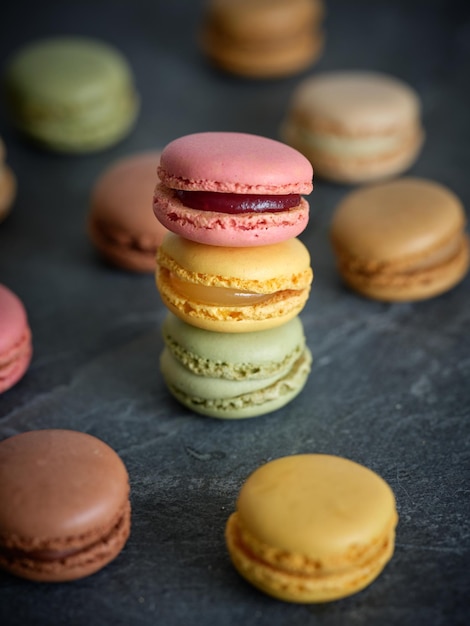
(263, 38)
(65, 510)
(402, 240)
(121, 223)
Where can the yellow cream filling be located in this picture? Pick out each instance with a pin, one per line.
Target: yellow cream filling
(215, 296)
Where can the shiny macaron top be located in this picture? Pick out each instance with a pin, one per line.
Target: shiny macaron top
(355, 103)
(57, 488)
(241, 163)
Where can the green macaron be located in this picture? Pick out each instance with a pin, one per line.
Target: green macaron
(234, 376)
(71, 94)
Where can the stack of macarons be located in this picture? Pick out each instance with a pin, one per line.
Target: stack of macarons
(233, 272)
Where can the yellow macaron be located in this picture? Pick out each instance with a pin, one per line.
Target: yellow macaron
(312, 528)
(233, 289)
(259, 39)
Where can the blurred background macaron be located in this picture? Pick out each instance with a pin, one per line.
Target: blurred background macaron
(7, 184)
(401, 240)
(71, 94)
(15, 339)
(233, 189)
(355, 126)
(263, 38)
(121, 223)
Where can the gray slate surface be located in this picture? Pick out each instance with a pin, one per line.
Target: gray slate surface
(390, 383)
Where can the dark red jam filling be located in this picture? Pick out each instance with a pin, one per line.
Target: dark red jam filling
(236, 202)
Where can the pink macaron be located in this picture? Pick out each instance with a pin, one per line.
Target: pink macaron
(15, 339)
(232, 189)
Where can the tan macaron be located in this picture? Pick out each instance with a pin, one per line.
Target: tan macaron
(263, 38)
(355, 126)
(402, 240)
(312, 528)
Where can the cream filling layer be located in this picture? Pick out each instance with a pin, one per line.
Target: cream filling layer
(215, 296)
(350, 146)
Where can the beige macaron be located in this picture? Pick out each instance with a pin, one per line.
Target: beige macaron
(263, 38)
(401, 240)
(7, 184)
(355, 126)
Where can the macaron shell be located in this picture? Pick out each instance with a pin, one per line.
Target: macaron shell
(402, 240)
(282, 271)
(121, 222)
(246, 356)
(14, 320)
(412, 286)
(15, 363)
(84, 563)
(263, 39)
(263, 269)
(68, 510)
(234, 163)
(67, 70)
(417, 215)
(288, 57)
(355, 126)
(91, 131)
(223, 229)
(258, 20)
(234, 399)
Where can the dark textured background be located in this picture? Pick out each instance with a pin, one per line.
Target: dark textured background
(390, 386)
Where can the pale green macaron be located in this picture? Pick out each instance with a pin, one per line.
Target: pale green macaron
(71, 94)
(233, 376)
